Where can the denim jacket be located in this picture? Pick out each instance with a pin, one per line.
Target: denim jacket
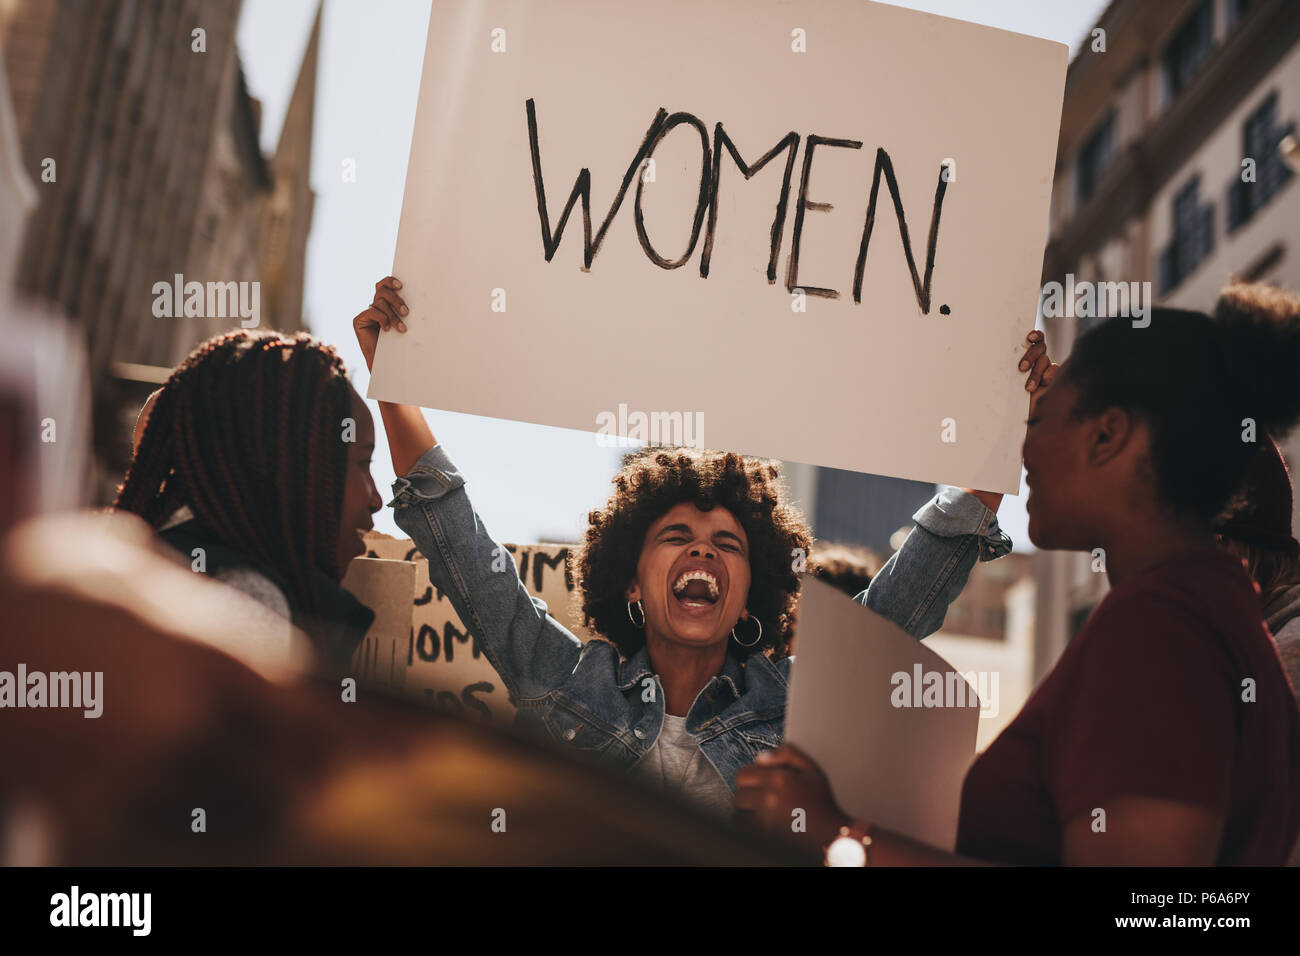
(590, 699)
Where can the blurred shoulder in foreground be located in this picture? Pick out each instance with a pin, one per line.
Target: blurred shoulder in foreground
(194, 713)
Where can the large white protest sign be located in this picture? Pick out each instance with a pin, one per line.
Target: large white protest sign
(579, 200)
(891, 723)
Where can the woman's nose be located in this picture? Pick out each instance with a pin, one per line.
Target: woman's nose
(699, 549)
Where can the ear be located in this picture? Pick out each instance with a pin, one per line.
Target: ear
(1112, 432)
(633, 593)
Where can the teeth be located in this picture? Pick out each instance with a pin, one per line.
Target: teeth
(704, 576)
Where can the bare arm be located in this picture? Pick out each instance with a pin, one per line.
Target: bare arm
(530, 650)
(783, 780)
(409, 435)
(1139, 830)
(1144, 831)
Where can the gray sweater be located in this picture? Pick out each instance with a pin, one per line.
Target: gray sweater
(1283, 616)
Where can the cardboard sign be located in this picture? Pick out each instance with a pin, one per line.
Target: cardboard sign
(420, 648)
(811, 232)
(385, 587)
(891, 722)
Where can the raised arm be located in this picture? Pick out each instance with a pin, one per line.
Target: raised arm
(530, 650)
(409, 435)
(918, 583)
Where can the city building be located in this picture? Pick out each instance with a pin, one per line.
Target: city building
(143, 143)
(1170, 171)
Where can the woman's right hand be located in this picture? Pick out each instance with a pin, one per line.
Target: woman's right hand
(385, 312)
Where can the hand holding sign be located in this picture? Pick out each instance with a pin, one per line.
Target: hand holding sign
(385, 312)
(781, 785)
(408, 433)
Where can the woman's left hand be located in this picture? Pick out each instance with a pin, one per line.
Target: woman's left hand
(1041, 369)
(780, 782)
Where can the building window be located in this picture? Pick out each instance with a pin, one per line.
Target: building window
(1260, 136)
(208, 230)
(1193, 237)
(1189, 47)
(1094, 157)
(1258, 270)
(1237, 10)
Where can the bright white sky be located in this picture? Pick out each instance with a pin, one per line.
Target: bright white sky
(370, 60)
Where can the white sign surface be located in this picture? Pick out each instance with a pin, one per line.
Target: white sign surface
(889, 720)
(580, 246)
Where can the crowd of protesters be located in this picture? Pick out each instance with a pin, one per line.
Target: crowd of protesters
(1171, 717)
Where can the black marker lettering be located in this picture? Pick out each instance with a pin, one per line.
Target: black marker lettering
(792, 273)
(448, 702)
(542, 560)
(791, 142)
(473, 703)
(700, 204)
(922, 288)
(427, 643)
(708, 201)
(582, 189)
(452, 634)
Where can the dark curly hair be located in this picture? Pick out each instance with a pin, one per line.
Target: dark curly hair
(654, 480)
(846, 567)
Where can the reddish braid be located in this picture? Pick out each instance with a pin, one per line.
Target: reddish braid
(321, 427)
(283, 465)
(243, 433)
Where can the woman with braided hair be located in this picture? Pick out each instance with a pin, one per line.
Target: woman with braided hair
(689, 576)
(254, 462)
(1167, 733)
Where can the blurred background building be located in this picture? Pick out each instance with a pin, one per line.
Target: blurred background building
(142, 140)
(1171, 170)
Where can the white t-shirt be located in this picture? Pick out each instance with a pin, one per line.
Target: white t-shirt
(676, 765)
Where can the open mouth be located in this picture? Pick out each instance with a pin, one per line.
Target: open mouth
(696, 590)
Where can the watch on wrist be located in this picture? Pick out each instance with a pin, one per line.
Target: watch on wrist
(851, 848)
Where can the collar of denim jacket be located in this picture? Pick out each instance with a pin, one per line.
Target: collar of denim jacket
(636, 668)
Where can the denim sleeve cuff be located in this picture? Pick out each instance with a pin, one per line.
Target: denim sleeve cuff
(433, 476)
(954, 512)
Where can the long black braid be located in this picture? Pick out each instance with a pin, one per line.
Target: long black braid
(245, 434)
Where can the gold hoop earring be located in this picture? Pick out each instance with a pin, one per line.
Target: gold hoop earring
(755, 640)
(631, 618)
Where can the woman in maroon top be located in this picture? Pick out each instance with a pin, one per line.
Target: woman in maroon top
(1167, 732)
